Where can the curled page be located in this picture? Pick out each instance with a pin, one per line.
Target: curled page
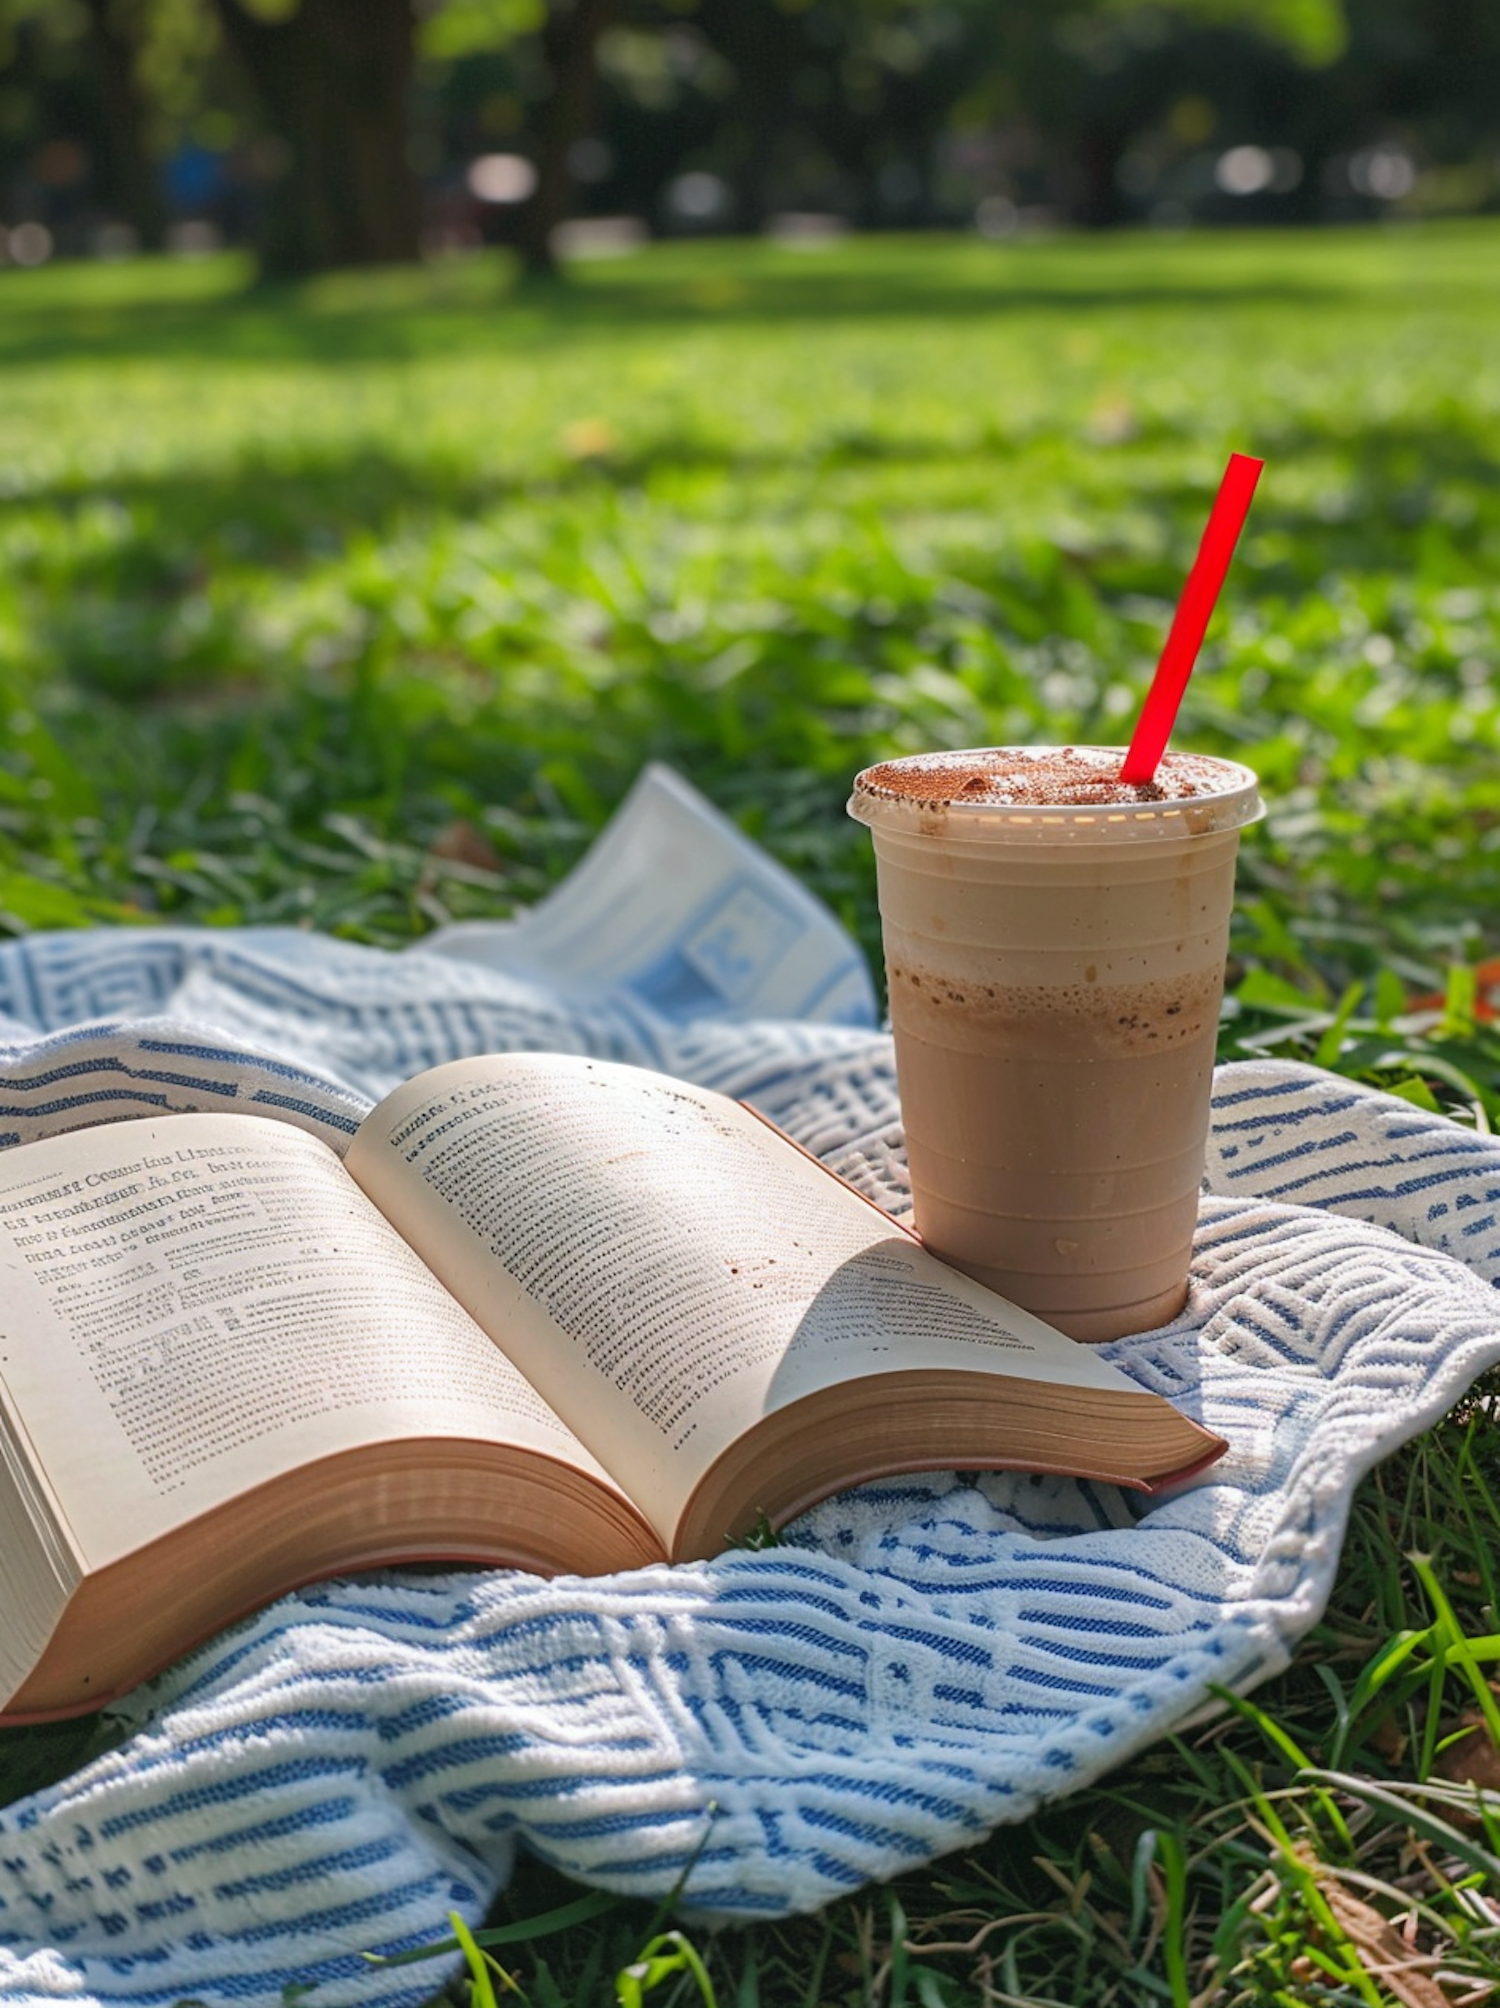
(675, 908)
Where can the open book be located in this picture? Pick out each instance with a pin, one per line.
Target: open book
(548, 1313)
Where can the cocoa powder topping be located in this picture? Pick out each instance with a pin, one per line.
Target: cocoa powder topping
(1010, 777)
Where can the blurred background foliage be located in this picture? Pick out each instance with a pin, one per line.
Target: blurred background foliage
(341, 132)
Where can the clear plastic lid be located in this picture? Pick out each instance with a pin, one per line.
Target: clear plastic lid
(892, 798)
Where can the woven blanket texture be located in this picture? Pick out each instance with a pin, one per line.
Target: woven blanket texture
(920, 1661)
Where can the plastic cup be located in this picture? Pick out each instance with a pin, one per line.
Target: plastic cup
(1056, 973)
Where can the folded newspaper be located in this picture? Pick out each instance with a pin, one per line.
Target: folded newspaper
(676, 908)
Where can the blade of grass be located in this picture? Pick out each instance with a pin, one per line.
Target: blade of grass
(564, 1918)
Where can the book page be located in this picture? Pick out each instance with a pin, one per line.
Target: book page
(190, 1305)
(664, 1266)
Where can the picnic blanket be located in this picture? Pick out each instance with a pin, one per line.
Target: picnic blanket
(917, 1662)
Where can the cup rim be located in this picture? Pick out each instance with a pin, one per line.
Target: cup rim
(1173, 818)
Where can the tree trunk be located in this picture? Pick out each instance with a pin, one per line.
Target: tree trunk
(335, 80)
(570, 44)
(137, 185)
(764, 46)
(1098, 149)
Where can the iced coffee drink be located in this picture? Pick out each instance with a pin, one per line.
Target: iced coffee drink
(1055, 943)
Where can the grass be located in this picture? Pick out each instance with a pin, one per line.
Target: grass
(359, 605)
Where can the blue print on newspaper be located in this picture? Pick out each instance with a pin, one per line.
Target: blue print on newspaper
(724, 953)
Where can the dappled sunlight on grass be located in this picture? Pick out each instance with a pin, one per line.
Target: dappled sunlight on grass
(448, 545)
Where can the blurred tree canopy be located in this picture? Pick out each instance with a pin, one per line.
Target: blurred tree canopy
(334, 132)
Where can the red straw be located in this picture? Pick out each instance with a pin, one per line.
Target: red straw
(1190, 622)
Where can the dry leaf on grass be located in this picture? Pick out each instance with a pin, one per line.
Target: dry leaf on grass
(1402, 1971)
(1473, 1758)
(464, 843)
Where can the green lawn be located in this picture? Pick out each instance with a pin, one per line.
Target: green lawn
(361, 604)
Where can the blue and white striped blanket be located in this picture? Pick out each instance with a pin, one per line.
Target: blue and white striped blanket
(920, 1662)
